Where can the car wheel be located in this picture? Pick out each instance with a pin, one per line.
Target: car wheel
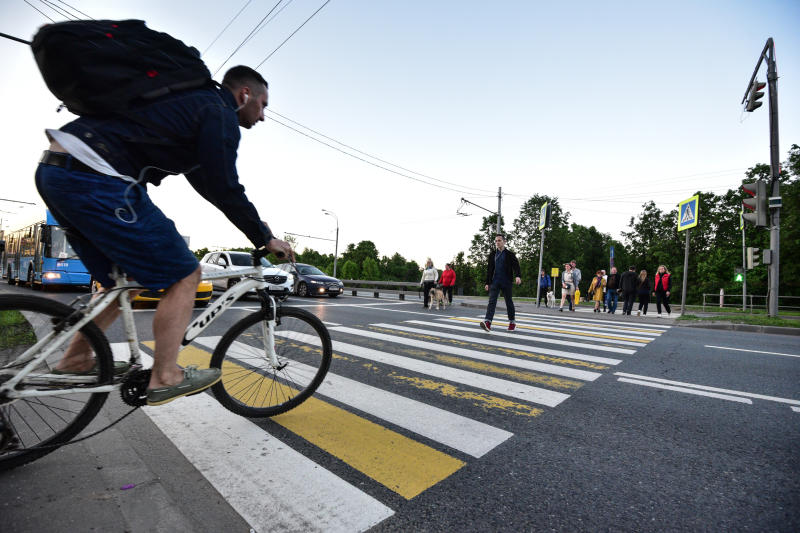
(302, 289)
(232, 282)
(200, 304)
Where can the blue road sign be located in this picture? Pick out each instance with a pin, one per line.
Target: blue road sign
(688, 212)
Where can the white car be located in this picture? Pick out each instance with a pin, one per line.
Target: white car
(214, 262)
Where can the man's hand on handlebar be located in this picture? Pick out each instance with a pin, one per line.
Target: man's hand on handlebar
(281, 249)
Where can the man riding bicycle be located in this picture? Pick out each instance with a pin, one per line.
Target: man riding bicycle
(93, 179)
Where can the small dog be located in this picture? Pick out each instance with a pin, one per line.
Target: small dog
(437, 295)
(551, 299)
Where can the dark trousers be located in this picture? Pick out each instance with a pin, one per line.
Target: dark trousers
(644, 301)
(542, 296)
(661, 297)
(627, 307)
(494, 292)
(426, 289)
(448, 291)
(611, 300)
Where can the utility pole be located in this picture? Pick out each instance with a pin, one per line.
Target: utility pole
(499, 203)
(752, 95)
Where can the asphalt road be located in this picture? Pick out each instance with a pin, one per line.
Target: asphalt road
(575, 422)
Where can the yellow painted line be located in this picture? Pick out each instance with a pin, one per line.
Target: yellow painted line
(483, 347)
(397, 462)
(484, 401)
(567, 332)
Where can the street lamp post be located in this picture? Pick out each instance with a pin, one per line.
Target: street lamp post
(336, 246)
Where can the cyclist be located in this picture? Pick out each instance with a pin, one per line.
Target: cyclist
(93, 179)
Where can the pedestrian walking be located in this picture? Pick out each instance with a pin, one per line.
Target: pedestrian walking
(448, 281)
(605, 284)
(663, 285)
(429, 278)
(576, 277)
(612, 290)
(643, 288)
(567, 288)
(628, 284)
(596, 288)
(503, 270)
(544, 288)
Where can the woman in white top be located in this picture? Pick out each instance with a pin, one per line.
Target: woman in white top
(429, 278)
(567, 287)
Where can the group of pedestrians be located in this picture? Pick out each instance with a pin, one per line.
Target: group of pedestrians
(633, 286)
(430, 279)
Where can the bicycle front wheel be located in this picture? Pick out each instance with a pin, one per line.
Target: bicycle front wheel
(34, 426)
(250, 385)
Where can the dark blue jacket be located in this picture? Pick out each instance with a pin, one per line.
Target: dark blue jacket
(196, 133)
(511, 267)
(544, 282)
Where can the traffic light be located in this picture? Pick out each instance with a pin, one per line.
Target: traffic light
(754, 95)
(758, 203)
(752, 257)
(738, 274)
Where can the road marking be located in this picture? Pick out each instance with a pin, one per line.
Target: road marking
(455, 375)
(571, 318)
(528, 337)
(608, 339)
(752, 351)
(453, 430)
(249, 467)
(713, 389)
(795, 409)
(686, 390)
(609, 328)
(426, 313)
(489, 342)
(584, 375)
(331, 324)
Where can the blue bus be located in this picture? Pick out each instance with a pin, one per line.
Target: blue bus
(39, 256)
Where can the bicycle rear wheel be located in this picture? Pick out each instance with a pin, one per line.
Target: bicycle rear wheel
(250, 386)
(37, 425)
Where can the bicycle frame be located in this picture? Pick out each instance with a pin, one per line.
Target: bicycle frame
(37, 353)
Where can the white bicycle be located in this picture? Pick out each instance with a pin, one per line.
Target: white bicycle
(271, 360)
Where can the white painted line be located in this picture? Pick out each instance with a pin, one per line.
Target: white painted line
(453, 430)
(795, 409)
(571, 318)
(475, 354)
(520, 391)
(273, 487)
(605, 329)
(566, 333)
(713, 389)
(499, 344)
(751, 351)
(527, 336)
(331, 324)
(426, 313)
(687, 391)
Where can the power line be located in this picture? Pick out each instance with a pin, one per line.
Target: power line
(226, 26)
(37, 9)
(248, 36)
(57, 9)
(75, 9)
(292, 34)
(377, 158)
(364, 160)
(284, 6)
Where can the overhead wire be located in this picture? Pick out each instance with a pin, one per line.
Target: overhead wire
(264, 25)
(226, 27)
(292, 34)
(57, 9)
(375, 157)
(247, 37)
(40, 11)
(75, 9)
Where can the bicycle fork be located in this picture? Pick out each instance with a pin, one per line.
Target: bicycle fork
(268, 332)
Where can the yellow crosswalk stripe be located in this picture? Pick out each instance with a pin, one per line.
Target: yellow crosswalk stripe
(399, 463)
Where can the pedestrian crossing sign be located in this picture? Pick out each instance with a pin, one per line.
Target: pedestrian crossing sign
(687, 213)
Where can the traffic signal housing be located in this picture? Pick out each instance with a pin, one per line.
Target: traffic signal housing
(755, 95)
(738, 274)
(758, 203)
(752, 257)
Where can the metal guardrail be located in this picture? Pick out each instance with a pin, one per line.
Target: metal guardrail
(754, 302)
(377, 287)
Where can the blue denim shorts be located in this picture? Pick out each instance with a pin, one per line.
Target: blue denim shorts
(103, 230)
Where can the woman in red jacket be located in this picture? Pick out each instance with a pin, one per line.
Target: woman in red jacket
(663, 284)
(448, 281)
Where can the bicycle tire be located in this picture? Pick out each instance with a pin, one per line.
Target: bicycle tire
(249, 385)
(42, 423)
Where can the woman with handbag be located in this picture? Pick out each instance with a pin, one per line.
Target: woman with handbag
(567, 288)
(596, 289)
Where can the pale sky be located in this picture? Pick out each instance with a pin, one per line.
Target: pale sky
(603, 104)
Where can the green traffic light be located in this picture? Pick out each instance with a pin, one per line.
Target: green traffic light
(738, 277)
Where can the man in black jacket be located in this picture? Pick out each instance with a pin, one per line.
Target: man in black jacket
(628, 285)
(502, 272)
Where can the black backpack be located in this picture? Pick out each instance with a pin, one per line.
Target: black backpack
(103, 67)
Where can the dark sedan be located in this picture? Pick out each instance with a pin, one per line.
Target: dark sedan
(311, 281)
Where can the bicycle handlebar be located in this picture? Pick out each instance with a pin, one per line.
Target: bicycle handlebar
(258, 253)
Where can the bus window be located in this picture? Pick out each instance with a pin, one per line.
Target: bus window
(59, 247)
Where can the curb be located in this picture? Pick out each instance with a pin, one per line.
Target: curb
(749, 328)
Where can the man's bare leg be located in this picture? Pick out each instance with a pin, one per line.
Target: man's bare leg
(169, 324)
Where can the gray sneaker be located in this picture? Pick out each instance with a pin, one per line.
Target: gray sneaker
(194, 381)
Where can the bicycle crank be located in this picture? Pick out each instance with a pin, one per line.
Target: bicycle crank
(134, 388)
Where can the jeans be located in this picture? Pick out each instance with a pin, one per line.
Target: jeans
(662, 297)
(627, 307)
(611, 300)
(494, 292)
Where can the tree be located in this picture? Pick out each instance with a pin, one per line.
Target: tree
(350, 270)
(357, 253)
(199, 254)
(369, 269)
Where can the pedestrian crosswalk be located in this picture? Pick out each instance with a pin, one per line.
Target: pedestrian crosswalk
(406, 405)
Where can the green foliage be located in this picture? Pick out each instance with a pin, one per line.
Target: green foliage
(199, 254)
(350, 270)
(369, 269)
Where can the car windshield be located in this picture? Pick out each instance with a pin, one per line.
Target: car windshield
(308, 270)
(265, 263)
(241, 259)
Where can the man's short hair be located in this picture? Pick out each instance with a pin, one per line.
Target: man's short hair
(243, 76)
(500, 235)
(631, 268)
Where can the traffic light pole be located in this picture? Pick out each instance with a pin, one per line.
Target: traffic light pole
(539, 272)
(744, 273)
